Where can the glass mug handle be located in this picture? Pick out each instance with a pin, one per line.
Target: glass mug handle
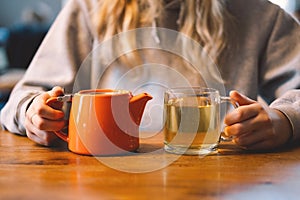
(235, 105)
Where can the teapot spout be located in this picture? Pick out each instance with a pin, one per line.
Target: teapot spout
(137, 105)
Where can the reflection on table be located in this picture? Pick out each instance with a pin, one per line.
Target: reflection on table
(30, 171)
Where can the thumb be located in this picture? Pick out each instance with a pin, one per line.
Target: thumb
(56, 91)
(240, 98)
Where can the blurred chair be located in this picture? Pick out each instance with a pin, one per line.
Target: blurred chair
(20, 45)
(297, 14)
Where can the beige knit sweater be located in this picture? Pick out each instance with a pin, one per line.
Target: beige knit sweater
(263, 59)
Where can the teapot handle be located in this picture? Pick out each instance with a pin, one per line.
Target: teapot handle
(54, 102)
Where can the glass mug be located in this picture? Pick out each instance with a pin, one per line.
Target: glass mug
(192, 120)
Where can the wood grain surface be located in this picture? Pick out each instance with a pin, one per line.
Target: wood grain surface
(30, 171)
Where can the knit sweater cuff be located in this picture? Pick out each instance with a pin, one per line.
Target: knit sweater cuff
(293, 116)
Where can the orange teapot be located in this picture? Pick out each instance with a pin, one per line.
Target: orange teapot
(103, 121)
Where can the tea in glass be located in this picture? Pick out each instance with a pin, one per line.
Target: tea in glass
(192, 125)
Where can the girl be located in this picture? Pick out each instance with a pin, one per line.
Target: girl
(254, 43)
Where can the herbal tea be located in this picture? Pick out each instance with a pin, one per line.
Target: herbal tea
(192, 120)
(191, 127)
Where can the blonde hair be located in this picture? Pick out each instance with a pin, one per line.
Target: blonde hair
(201, 20)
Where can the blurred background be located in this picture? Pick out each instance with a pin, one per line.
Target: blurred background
(23, 25)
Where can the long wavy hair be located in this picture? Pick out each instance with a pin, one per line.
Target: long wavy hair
(201, 20)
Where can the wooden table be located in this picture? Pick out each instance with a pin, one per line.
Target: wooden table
(30, 171)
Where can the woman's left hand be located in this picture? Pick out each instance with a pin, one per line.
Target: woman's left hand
(255, 126)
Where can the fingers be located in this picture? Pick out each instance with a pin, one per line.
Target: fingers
(42, 137)
(56, 91)
(251, 124)
(255, 140)
(248, 109)
(40, 108)
(263, 144)
(246, 119)
(37, 135)
(44, 122)
(240, 98)
(41, 120)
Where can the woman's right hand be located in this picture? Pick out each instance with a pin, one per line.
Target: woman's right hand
(41, 119)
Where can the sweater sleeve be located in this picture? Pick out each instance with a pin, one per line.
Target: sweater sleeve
(280, 62)
(282, 70)
(56, 62)
(289, 104)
